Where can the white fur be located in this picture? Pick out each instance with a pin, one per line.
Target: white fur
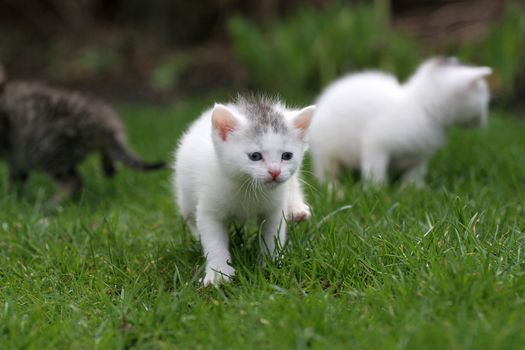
(370, 122)
(216, 182)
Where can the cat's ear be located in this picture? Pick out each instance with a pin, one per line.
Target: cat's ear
(302, 119)
(223, 121)
(471, 75)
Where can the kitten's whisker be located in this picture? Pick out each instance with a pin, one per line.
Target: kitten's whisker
(306, 172)
(247, 188)
(253, 189)
(258, 189)
(243, 189)
(264, 194)
(239, 189)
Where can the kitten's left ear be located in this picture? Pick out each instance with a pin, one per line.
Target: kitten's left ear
(223, 120)
(302, 119)
(473, 74)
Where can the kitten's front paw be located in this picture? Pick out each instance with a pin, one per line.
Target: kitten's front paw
(216, 276)
(298, 212)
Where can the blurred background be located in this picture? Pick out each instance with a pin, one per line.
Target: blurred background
(160, 51)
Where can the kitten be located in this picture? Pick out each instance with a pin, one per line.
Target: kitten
(241, 161)
(370, 122)
(51, 130)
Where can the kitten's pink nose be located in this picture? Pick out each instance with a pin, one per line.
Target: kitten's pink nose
(274, 173)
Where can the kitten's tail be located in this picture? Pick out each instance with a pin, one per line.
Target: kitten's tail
(2, 78)
(119, 150)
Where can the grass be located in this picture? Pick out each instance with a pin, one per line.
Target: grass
(441, 268)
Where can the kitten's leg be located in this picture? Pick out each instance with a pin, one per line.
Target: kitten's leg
(214, 240)
(70, 185)
(415, 176)
(374, 167)
(192, 224)
(325, 169)
(319, 168)
(273, 230)
(298, 210)
(107, 165)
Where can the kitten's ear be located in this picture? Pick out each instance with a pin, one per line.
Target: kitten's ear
(223, 120)
(473, 74)
(303, 118)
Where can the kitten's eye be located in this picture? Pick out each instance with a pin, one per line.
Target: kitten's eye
(255, 156)
(287, 156)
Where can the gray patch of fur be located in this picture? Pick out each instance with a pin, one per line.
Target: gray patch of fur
(262, 113)
(51, 130)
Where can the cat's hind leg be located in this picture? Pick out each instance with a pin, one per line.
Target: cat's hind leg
(374, 166)
(415, 176)
(187, 211)
(192, 224)
(69, 183)
(108, 166)
(325, 168)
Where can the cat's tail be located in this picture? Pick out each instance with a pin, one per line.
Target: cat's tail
(119, 150)
(2, 78)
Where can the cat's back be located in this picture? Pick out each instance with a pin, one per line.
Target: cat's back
(197, 139)
(40, 104)
(359, 92)
(351, 102)
(195, 164)
(195, 149)
(25, 95)
(345, 109)
(50, 127)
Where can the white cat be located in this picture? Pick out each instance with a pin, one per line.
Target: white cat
(241, 161)
(370, 122)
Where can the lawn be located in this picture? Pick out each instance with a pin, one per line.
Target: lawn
(440, 268)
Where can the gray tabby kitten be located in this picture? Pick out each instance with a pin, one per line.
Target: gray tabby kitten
(51, 130)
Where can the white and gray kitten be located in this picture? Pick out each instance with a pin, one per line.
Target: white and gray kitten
(240, 161)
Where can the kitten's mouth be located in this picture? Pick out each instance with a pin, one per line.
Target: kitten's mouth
(273, 181)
